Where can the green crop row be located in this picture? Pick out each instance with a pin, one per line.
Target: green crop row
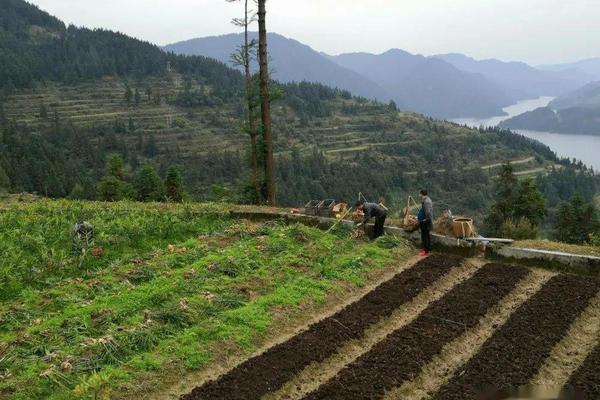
(175, 288)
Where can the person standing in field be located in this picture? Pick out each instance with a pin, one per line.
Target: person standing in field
(373, 210)
(425, 218)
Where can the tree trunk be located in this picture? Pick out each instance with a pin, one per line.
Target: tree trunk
(266, 103)
(251, 118)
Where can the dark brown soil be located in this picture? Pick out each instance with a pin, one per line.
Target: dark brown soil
(514, 354)
(402, 354)
(585, 382)
(271, 370)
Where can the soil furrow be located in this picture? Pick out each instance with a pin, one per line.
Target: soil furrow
(318, 374)
(401, 355)
(515, 353)
(269, 371)
(570, 353)
(454, 355)
(586, 380)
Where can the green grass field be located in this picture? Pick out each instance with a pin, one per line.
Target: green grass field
(164, 290)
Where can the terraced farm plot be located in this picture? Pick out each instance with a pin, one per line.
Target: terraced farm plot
(165, 291)
(209, 128)
(585, 382)
(491, 331)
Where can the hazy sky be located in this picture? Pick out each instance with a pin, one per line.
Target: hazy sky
(535, 31)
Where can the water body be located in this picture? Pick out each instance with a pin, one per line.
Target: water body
(582, 147)
(512, 111)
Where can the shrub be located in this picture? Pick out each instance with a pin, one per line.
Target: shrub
(521, 230)
(595, 239)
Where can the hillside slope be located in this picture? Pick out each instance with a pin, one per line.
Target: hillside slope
(57, 135)
(575, 120)
(576, 112)
(328, 146)
(587, 96)
(164, 291)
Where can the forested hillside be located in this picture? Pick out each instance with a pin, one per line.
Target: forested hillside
(587, 96)
(576, 120)
(36, 47)
(60, 124)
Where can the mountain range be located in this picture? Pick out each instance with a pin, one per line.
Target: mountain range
(441, 86)
(590, 66)
(520, 80)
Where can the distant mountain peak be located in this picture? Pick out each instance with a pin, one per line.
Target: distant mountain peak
(446, 86)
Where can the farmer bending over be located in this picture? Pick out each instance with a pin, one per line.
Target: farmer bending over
(372, 210)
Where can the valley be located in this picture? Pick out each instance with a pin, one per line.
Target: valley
(344, 136)
(181, 222)
(581, 147)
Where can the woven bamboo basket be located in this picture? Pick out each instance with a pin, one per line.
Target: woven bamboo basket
(463, 227)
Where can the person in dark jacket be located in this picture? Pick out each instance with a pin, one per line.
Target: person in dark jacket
(373, 210)
(425, 218)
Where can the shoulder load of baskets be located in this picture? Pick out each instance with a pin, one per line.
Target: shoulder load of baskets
(446, 224)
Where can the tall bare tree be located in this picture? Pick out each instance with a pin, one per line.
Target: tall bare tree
(243, 58)
(266, 103)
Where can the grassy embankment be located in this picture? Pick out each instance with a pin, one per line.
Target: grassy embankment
(549, 245)
(176, 289)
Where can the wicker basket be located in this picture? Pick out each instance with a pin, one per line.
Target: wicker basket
(312, 207)
(326, 208)
(463, 227)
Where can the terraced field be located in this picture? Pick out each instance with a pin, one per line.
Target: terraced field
(201, 130)
(101, 103)
(446, 328)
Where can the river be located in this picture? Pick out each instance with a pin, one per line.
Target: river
(582, 147)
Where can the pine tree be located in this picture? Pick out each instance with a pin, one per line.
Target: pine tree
(564, 221)
(505, 190)
(9, 87)
(128, 95)
(516, 203)
(529, 203)
(131, 125)
(150, 148)
(4, 181)
(115, 166)
(77, 193)
(174, 185)
(266, 104)
(501, 210)
(111, 188)
(3, 120)
(243, 58)
(137, 97)
(43, 114)
(148, 185)
(576, 220)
